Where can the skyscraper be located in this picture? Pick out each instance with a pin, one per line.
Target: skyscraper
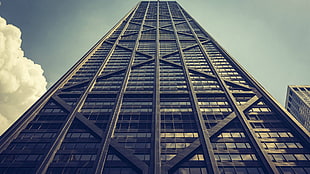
(298, 103)
(157, 94)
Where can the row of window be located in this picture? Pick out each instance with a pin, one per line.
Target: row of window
(135, 110)
(137, 145)
(81, 170)
(39, 126)
(51, 117)
(184, 126)
(176, 109)
(241, 170)
(36, 135)
(292, 145)
(73, 157)
(19, 158)
(52, 110)
(231, 135)
(187, 170)
(179, 135)
(235, 157)
(131, 135)
(177, 116)
(126, 126)
(98, 103)
(274, 134)
(289, 157)
(215, 109)
(259, 110)
(118, 171)
(225, 146)
(79, 145)
(80, 135)
(135, 116)
(174, 145)
(28, 146)
(19, 170)
(294, 170)
(103, 110)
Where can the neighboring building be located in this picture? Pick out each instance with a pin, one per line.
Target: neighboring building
(298, 103)
(157, 94)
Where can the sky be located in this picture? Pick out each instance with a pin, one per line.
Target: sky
(269, 38)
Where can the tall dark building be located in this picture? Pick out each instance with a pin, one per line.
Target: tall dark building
(298, 103)
(156, 95)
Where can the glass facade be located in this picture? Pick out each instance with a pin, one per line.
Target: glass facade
(157, 94)
(298, 103)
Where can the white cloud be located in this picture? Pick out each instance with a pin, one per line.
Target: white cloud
(21, 80)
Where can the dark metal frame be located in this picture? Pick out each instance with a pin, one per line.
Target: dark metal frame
(205, 135)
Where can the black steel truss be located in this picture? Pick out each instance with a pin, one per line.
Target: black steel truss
(192, 108)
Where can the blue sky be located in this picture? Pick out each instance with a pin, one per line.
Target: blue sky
(269, 38)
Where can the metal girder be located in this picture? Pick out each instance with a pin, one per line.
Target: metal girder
(155, 166)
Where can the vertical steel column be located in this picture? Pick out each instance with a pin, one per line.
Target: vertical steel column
(155, 167)
(57, 143)
(269, 165)
(113, 120)
(204, 136)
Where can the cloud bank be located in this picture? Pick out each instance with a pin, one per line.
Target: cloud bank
(21, 80)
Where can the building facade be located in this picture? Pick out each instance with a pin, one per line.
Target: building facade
(298, 103)
(156, 95)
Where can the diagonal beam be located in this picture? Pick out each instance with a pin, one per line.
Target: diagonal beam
(134, 22)
(129, 49)
(123, 69)
(183, 49)
(219, 126)
(62, 103)
(182, 154)
(179, 32)
(177, 17)
(206, 74)
(80, 117)
(226, 80)
(129, 156)
(95, 129)
(171, 24)
(150, 29)
(75, 84)
(108, 74)
(129, 34)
